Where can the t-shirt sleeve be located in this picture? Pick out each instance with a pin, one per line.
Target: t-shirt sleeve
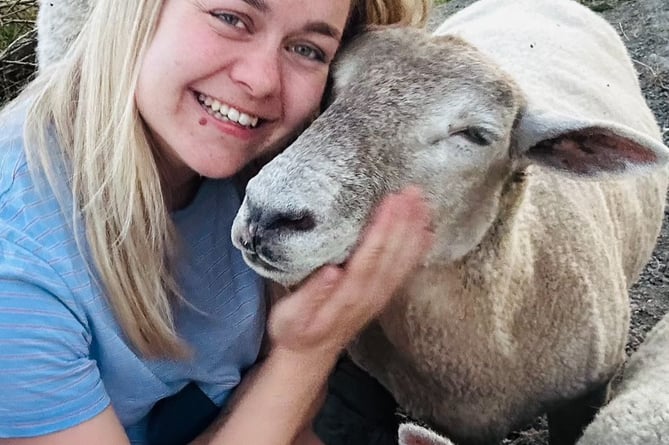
(48, 382)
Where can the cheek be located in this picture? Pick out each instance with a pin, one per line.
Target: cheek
(151, 101)
(153, 80)
(171, 62)
(143, 94)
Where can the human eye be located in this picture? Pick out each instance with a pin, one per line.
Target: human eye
(230, 19)
(308, 52)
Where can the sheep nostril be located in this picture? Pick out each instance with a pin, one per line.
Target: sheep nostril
(303, 223)
(293, 222)
(265, 227)
(247, 239)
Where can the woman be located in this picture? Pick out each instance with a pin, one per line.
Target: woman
(120, 293)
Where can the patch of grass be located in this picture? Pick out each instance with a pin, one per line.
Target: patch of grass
(16, 18)
(17, 45)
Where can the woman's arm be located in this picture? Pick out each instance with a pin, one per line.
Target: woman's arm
(275, 404)
(48, 381)
(103, 429)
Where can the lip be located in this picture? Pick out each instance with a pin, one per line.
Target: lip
(261, 118)
(233, 129)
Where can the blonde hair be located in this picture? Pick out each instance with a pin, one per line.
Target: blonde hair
(386, 12)
(87, 101)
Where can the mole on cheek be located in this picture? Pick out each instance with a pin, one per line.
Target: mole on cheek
(203, 121)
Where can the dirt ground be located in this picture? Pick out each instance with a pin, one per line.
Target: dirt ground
(644, 27)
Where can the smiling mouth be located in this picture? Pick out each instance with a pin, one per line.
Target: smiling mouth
(226, 113)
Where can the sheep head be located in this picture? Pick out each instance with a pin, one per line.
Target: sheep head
(410, 108)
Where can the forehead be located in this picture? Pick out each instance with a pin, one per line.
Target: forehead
(333, 13)
(290, 12)
(412, 64)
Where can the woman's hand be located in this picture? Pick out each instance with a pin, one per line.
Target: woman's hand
(309, 327)
(335, 303)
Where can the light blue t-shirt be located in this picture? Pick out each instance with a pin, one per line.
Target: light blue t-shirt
(63, 357)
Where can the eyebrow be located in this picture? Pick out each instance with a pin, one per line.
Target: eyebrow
(260, 5)
(317, 27)
(324, 28)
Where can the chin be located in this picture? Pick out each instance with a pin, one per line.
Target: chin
(222, 169)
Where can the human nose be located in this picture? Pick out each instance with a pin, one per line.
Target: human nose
(258, 70)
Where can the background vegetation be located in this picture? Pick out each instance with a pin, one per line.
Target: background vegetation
(17, 45)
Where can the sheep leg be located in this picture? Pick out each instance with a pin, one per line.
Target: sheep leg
(567, 422)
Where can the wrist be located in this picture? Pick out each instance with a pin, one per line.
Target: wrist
(316, 361)
(287, 388)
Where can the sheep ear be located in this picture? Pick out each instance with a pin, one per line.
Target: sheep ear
(588, 148)
(411, 434)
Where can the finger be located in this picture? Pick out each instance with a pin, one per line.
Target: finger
(380, 264)
(395, 240)
(391, 247)
(407, 245)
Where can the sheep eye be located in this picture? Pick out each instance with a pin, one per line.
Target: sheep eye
(474, 135)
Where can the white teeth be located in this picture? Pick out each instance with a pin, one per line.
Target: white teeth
(233, 114)
(244, 119)
(225, 112)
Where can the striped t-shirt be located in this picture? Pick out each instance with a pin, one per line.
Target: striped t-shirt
(63, 357)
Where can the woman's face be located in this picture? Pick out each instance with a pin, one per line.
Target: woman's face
(224, 81)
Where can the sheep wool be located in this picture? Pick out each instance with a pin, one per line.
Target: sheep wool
(638, 414)
(58, 24)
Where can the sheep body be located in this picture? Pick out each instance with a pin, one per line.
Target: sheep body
(522, 304)
(563, 291)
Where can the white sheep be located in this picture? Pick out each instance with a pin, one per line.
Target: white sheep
(638, 414)
(58, 25)
(523, 122)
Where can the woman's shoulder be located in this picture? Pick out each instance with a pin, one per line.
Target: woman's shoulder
(18, 182)
(31, 216)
